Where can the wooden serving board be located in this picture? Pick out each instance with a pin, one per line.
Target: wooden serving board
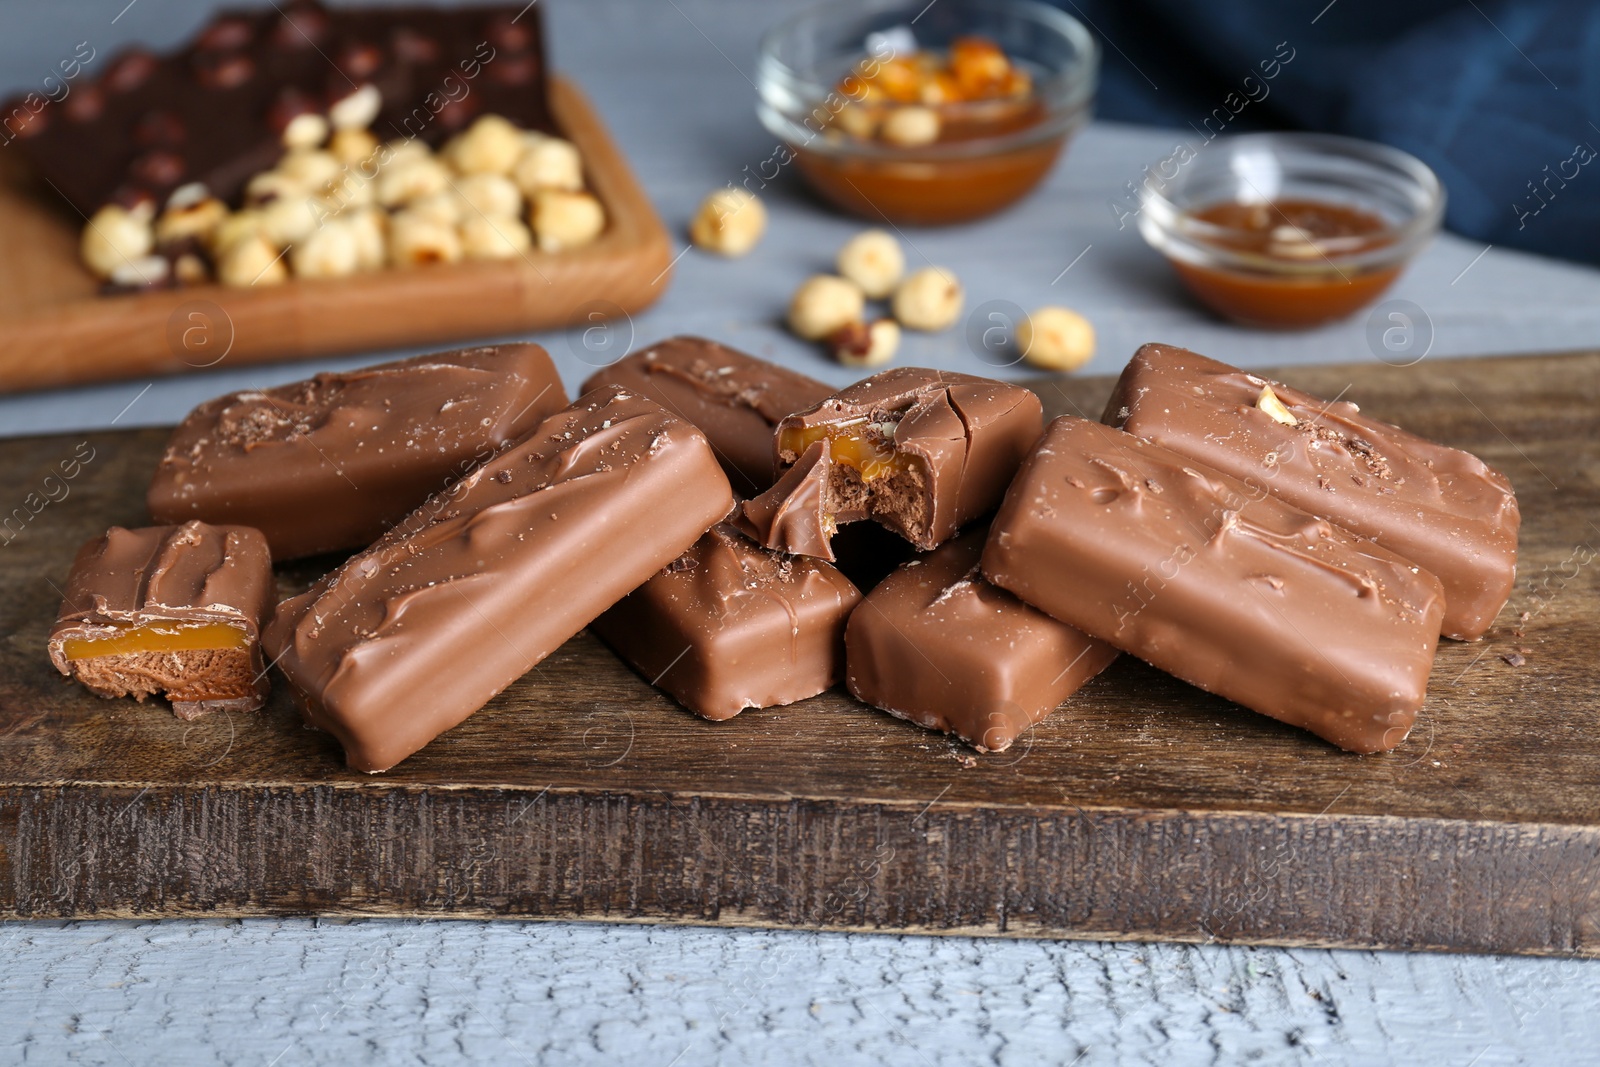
(1143, 809)
(57, 329)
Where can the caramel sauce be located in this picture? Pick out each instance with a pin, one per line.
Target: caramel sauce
(158, 638)
(871, 459)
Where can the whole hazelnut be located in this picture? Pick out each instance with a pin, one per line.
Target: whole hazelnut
(284, 222)
(356, 111)
(859, 122)
(146, 272)
(416, 240)
(547, 163)
(491, 145)
(369, 229)
(488, 194)
(443, 207)
(1056, 338)
(930, 299)
(116, 236)
(730, 222)
(412, 177)
(404, 149)
(328, 252)
(489, 236)
(873, 260)
(563, 220)
(352, 147)
(911, 127)
(251, 261)
(312, 169)
(235, 228)
(860, 345)
(191, 212)
(308, 130)
(823, 304)
(272, 185)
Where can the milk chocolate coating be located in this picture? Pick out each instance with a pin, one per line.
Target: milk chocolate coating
(735, 399)
(331, 462)
(792, 516)
(1218, 583)
(476, 587)
(1439, 507)
(938, 645)
(174, 576)
(961, 437)
(729, 625)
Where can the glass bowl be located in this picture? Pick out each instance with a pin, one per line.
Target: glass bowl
(988, 153)
(1280, 270)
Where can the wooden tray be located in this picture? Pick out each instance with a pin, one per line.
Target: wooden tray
(1144, 809)
(55, 328)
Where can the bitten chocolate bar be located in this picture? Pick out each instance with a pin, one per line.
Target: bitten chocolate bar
(331, 462)
(735, 399)
(485, 580)
(937, 644)
(175, 610)
(1441, 508)
(1214, 581)
(918, 451)
(729, 625)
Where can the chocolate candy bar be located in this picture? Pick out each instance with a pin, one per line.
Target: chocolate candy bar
(729, 625)
(169, 609)
(735, 399)
(214, 111)
(485, 580)
(937, 644)
(1215, 581)
(331, 462)
(1439, 507)
(918, 451)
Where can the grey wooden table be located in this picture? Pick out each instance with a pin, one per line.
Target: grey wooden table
(671, 80)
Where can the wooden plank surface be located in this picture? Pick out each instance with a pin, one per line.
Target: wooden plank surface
(56, 329)
(1143, 809)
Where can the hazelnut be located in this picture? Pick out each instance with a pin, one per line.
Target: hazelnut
(730, 222)
(410, 178)
(1268, 401)
(350, 190)
(564, 220)
(490, 236)
(368, 228)
(547, 163)
(116, 236)
(491, 145)
(442, 207)
(285, 221)
(251, 261)
(1056, 339)
(860, 345)
(911, 127)
(191, 212)
(146, 272)
(929, 299)
(235, 228)
(873, 260)
(272, 185)
(190, 269)
(356, 111)
(328, 252)
(352, 147)
(405, 149)
(305, 131)
(488, 194)
(312, 169)
(416, 240)
(823, 304)
(857, 121)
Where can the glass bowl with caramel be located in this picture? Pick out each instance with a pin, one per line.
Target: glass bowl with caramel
(920, 113)
(1289, 230)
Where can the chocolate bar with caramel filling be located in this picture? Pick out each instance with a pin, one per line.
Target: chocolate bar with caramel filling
(1215, 581)
(729, 625)
(331, 462)
(735, 399)
(1442, 508)
(919, 451)
(938, 645)
(175, 610)
(481, 583)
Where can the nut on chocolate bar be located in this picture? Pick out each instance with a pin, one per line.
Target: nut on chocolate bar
(331, 462)
(938, 645)
(175, 610)
(1442, 508)
(730, 625)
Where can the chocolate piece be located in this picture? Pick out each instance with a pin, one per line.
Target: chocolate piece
(729, 625)
(1439, 507)
(734, 398)
(213, 111)
(1215, 581)
(480, 584)
(919, 451)
(938, 645)
(175, 610)
(331, 462)
(792, 516)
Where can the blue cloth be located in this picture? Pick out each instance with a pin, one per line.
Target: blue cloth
(1502, 99)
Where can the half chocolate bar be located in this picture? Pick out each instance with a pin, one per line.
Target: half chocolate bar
(486, 579)
(1442, 508)
(332, 462)
(175, 610)
(1215, 581)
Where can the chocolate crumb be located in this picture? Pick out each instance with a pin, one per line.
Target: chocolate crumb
(1515, 659)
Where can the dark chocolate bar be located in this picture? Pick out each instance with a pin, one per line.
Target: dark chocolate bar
(938, 645)
(480, 584)
(1215, 581)
(736, 399)
(729, 625)
(919, 451)
(331, 462)
(1439, 507)
(139, 125)
(175, 610)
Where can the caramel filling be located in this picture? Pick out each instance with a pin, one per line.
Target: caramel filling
(158, 637)
(872, 456)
